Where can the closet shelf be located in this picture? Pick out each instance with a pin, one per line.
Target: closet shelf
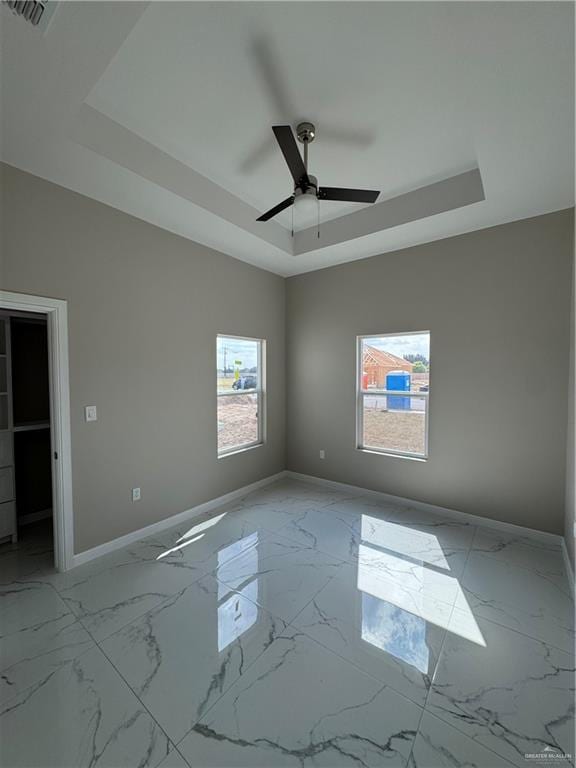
(30, 427)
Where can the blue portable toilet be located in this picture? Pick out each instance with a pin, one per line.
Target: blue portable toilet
(398, 381)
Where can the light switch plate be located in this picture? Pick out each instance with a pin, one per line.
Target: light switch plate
(90, 413)
(136, 494)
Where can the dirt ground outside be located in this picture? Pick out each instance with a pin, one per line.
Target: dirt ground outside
(383, 429)
(394, 430)
(237, 421)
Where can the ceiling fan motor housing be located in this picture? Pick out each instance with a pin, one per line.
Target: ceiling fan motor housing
(311, 189)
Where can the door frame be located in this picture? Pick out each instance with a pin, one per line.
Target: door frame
(56, 312)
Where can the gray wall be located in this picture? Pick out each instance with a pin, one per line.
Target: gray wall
(144, 310)
(570, 513)
(497, 304)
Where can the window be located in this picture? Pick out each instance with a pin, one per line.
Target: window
(239, 367)
(393, 388)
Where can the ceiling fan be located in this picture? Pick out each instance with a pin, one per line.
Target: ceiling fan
(305, 185)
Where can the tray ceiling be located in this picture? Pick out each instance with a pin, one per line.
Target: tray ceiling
(164, 110)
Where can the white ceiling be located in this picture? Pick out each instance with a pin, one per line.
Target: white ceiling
(164, 110)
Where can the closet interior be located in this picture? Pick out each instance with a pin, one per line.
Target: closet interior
(25, 439)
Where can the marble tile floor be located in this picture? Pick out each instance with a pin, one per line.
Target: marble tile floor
(300, 626)
(34, 551)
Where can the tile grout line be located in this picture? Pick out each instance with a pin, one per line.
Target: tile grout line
(26, 688)
(121, 676)
(173, 743)
(523, 634)
(471, 738)
(302, 631)
(505, 626)
(343, 658)
(81, 619)
(475, 520)
(98, 643)
(441, 650)
(286, 624)
(493, 531)
(467, 736)
(326, 507)
(257, 658)
(470, 550)
(439, 717)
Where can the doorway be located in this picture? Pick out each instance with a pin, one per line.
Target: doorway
(35, 476)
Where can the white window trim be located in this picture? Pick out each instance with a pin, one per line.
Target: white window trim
(260, 392)
(361, 394)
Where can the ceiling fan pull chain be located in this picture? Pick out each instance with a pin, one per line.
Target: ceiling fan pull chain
(292, 221)
(318, 219)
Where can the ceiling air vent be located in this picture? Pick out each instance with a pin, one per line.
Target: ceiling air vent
(35, 12)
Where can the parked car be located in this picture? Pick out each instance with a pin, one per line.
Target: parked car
(245, 382)
(424, 388)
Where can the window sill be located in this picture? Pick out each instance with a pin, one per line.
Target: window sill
(242, 449)
(391, 455)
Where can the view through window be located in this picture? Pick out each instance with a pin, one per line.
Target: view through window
(239, 391)
(393, 391)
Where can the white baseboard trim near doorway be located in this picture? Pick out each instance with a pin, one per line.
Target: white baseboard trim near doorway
(169, 522)
(465, 517)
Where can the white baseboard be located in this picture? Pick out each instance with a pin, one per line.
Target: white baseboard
(207, 506)
(169, 522)
(486, 522)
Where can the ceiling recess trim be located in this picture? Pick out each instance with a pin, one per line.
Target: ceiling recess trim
(101, 134)
(106, 137)
(446, 195)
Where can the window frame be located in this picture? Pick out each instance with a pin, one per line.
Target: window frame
(259, 391)
(362, 393)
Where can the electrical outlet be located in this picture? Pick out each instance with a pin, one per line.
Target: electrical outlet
(322, 453)
(91, 413)
(136, 494)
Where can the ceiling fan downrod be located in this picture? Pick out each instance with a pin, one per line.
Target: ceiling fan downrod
(306, 133)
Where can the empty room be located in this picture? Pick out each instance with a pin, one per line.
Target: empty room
(287, 385)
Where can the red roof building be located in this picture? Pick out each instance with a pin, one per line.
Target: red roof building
(377, 364)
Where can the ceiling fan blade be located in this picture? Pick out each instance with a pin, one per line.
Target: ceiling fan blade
(258, 154)
(348, 195)
(271, 74)
(287, 142)
(277, 208)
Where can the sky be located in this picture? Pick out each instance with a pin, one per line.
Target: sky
(236, 349)
(247, 351)
(416, 344)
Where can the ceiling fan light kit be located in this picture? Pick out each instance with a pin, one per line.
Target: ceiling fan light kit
(306, 199)
(307, 193)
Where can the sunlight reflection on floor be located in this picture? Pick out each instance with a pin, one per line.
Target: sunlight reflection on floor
(415, 586)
